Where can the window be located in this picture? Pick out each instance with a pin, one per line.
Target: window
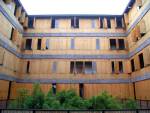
(81, 90)
(75, 22)
(113, 66)
(121, 44)
(39, 44)
(120, 67)
(72, 67)
(12, 31)
(79, 67)
(54, 88)
(87, 67)
(28, 67)
(132, 65)
(28, 44)
(53, 23)
(30, 22)
(101, 23)
(119, 22)
(113, 44)
(141, 60)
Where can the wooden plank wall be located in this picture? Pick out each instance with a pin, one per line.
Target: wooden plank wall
(4, 85)
(142, 90)
(29, 86)
(123, 91)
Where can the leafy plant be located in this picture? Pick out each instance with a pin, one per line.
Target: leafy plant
(130, 104)
(66, 100)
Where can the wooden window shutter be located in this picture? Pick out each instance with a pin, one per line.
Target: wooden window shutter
(22, 18)
(94, 67)
(105, 23)
(137, 32)
(116, 66)
(34, 43)
(137, 62)
(99, 22)
(139, 3)
(134, 39)
(127, 66)
(126, 19)
(146, 55)
(15, 35)
(142, 27)
(43, 44)
(18, 11)
(2, 52)
(25, 24)
(113, 24)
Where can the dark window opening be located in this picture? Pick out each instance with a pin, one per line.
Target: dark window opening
(113, 66)
(120, 67)
(72, 67)
(81, 90)
(132, 65)
(30, 22)
(119, 22)
(121, 44)
(53, 23)
(142, 34)
(28, 67)
(72, 22)
(79, 67)
(39, 44)
(101, 23)
(88, 68)
(141, 60)
(108, 23)
(54, 88)
(28, 44)
(113, 44)
(12, 31)
(76, 23)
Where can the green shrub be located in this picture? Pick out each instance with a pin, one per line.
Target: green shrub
(66, 100)
(130, 104)
(104, 101)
